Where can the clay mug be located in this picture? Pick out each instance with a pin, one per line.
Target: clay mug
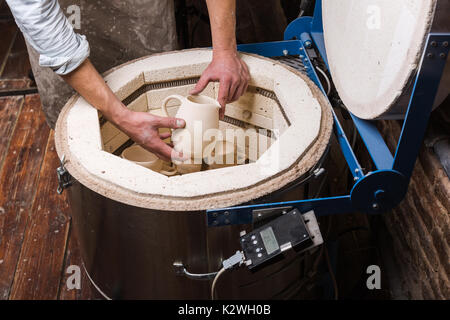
(200, 113)
(144, 158)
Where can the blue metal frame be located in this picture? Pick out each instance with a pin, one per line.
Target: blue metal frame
(376, 191)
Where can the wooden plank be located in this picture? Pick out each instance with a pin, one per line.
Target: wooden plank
(73, 258)
(18, 182)
(9, 32)
(15, 84)
(9, 111)
(42, 257)
(18, 64)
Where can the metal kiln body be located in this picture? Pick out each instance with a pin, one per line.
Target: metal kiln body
(133, 224)
(128, 252)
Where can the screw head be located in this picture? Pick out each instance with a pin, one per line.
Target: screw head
(433, 43)
(445, 44)
(375, 206)
(285, 52)
(226, 213)
(429, 55)
(442, 55)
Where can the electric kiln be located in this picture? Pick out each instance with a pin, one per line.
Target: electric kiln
(145, 235)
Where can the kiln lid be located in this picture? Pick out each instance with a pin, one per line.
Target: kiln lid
(374, 48)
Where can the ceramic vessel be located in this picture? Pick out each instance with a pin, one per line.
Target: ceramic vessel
(201, 113)
(144, 158)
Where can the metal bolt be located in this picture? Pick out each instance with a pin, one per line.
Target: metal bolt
(356, 170)
(302, 56)
(429, 55)
(226, 213)
(215, 223)
(442, 55)
(433, 43)
(375, 206)
(445, 44)
(214, 214)
(285, 52)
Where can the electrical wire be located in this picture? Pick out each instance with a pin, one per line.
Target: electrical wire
(213, 286)
(330, 269)
(326, 79)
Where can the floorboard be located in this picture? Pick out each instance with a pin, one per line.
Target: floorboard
(42, 256)
(9, 32)
(18, 64)
(18, 178)
(9, 111)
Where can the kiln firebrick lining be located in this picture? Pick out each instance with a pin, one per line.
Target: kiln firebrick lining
(300, 146)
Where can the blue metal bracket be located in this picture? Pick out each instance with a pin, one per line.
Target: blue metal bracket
(374, 192)
(421, 103)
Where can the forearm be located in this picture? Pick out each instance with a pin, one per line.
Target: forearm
(91, 86)
(222, 15)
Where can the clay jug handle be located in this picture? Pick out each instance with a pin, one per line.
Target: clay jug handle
(164, 104)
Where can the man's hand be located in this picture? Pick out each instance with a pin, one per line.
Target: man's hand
(226, 66)
(232, 73)
(142, 128)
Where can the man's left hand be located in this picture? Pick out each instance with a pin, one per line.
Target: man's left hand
(232, 73)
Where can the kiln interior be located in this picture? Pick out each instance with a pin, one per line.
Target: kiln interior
(257, 117)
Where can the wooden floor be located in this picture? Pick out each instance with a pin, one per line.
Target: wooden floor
(37, 244)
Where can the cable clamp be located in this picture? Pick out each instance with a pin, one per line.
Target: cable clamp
(237, 259)
(64, 177)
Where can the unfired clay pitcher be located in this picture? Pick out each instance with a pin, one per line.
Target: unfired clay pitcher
(200, 113)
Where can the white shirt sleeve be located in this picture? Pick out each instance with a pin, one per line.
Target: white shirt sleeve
(48, 31)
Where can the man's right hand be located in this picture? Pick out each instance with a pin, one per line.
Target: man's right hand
(142, 128)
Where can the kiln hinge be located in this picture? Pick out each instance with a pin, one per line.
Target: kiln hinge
(64, 177)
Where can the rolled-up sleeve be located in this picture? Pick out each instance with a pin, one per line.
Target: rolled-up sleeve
(48, 31)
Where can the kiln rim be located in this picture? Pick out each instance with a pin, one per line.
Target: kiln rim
(297, 170)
